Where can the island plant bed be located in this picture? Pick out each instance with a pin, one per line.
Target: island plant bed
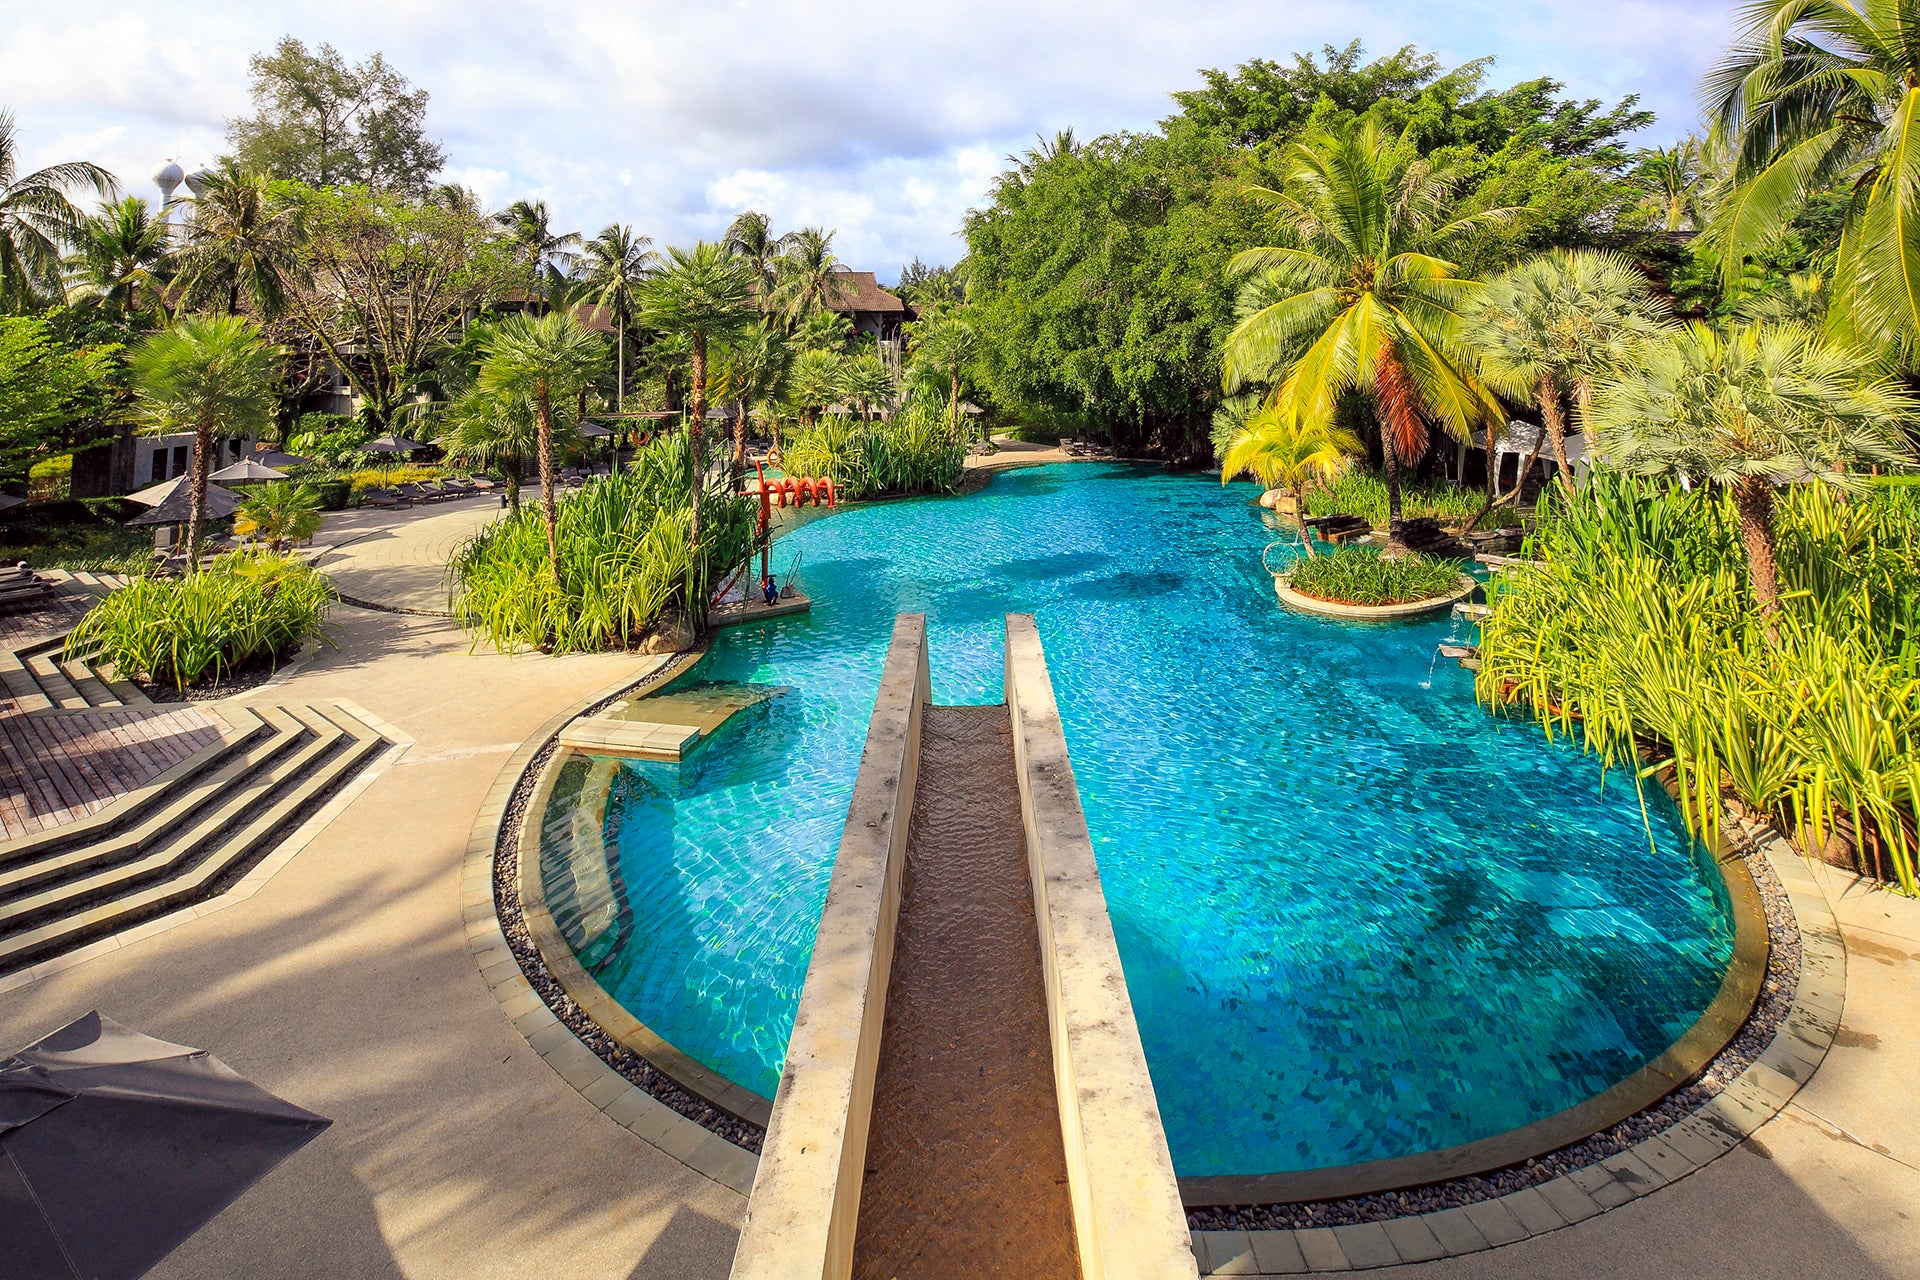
(1359, 582)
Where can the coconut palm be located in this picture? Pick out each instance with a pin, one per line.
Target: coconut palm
(706, 295)
(213, 376)
(122, 260)
(281, 513)
(1280, 451)
(750, 236)
(754, 370)
(1546, 330)
(243, 241)
(612, 265)
(814, 383)
(943, 346)
(807, 275)
(1819, 94)
(1377, 310)
(37, 220)
(529, 227)
(1751, 409)
(544, 361)
(1677, 179)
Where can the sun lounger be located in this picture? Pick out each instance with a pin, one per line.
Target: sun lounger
(383, 498)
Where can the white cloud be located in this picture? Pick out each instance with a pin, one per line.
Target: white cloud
(886, 122)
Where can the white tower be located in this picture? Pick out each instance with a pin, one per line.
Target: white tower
(168, 176)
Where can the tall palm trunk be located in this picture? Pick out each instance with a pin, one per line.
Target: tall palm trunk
(197, 513)
(696, 429)
(953, 404)
(1390, 463)
(1753, 500)
(1555, 420)
(620, 363)
(543, 433)
(510, 469)
(740, 434)
(1300, 519)
(1403, 436)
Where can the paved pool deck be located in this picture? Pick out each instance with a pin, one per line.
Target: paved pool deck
(346, 985)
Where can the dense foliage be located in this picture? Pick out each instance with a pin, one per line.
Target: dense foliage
(200, 628)
(626, 553)
(1638, 632)
(915, 452)
(1361, 493)
(1361, 575)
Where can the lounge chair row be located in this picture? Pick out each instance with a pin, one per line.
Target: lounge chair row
(21, 587)
(405, 495)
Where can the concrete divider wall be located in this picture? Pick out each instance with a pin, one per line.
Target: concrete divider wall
(806, 1196)
(1128, 1217)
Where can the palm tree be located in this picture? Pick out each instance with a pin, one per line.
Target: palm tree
(211, 375)
(1757, 407)
(755, 370)
(1547, 329)
(750, 237)
(824, 331)
(612, 265)
(807, 275)
(1280, 451)
(243, 240)
(1677, 180)
(706, 294)
(122, 250)
(1814, 95)
(37, 219)
(541, 360)
(1378, 311)
(865, 382)
(529, 228)
(282, 513)
(814, 383)
(944, 345)
(492, 430)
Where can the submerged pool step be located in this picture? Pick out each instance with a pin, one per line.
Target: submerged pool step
(639, 739)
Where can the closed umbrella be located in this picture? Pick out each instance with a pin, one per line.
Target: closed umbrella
(245, 470)
(115, 1147)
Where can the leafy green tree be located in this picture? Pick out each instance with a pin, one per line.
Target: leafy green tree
(613, 265)
(1752, 409)
(815, 382)
(543, 361)
(245, 242)
(1548, 329)
(529, 228)
(944, 345)
(704, 294)
(490, 429)
(283, 513)
(824, 331)
(319, 120)
(1817, 95)
(213, 376)
(123, 260)
(1280, 451)
(37, 220)
(1379, 311)
(924, 287)
(807, 275)
(49, 391)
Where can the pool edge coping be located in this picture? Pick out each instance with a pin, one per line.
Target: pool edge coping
(1688, 1145)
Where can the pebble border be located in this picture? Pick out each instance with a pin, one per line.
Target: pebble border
(575, 1059)
(1709, 1131)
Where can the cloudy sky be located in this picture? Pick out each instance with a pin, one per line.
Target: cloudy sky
(884, 121)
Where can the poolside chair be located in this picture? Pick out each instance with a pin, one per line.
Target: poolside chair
(382, 498)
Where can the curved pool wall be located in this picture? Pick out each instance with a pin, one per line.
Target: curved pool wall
(1360, 918)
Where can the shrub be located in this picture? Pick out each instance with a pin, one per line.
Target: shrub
(1358, 575)
(201, 627)
(1361, 493)
(625, 556)
(915, 452)
(358, 482)
(1637, 631)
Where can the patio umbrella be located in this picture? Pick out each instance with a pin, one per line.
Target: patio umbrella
(391, 443)
(245, 470)
(117, 1147)
(8, 500)
(176, 506)
(593, 430)
(274, 458)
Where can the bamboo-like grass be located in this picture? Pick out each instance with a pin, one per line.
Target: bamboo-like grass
(626, 556)
(1636, 631)
(1359, 575)
(199, 628)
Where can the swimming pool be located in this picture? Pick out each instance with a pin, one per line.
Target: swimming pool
(1360, 918)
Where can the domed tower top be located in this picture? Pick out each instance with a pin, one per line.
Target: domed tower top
(168, 176)
(197, 181)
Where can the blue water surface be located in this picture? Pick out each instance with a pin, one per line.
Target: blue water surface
(1359, 916)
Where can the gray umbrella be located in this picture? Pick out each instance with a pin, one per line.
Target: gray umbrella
(247, 469)
(115, 1147)
(277, 459)
(593, 430)
(391, 443)
(8, 500)
(177, 507)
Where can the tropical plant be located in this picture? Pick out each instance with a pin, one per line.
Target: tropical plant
(1753, 409)
(913, 452)
(529, 228)
(203, 626)
(1377, 310)
(541, 361)
(1817, 95)
(814, 382)
(1360, 576)
(1546, 330)
(807, 274)
(612, 265)
(750, 237)
(487, 429)
(283, 513)
(213, 376)
(37, 220)
(1677, 180)
(244, 241)
(824, 331)
(121, 262)
(865, 382)
(944, 345)
(704, 294)
(51, 391)
(1281, 452)
(753, 370)
(1362, 493)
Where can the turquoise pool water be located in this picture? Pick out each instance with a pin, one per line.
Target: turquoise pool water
(1359, 917)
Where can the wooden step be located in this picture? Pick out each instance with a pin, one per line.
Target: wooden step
(43, 665)
(20, 684)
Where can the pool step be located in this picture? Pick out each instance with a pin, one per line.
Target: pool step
(181, 838)
(639, 739)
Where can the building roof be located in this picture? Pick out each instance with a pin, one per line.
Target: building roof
(859, 291)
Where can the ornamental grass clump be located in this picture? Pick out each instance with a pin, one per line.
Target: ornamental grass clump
(626, 554)
(198, 629)
(1363, 494)
(1356, 575)
(1637, 630)
(915, 452)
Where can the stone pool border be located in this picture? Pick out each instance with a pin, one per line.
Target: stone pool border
(1372, 612)
(1759, 1093)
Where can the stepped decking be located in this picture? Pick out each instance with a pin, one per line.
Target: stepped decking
(58, 766)
(965, 1172)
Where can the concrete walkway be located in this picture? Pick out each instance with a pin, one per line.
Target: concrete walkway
(397, 558)
(345, 984)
